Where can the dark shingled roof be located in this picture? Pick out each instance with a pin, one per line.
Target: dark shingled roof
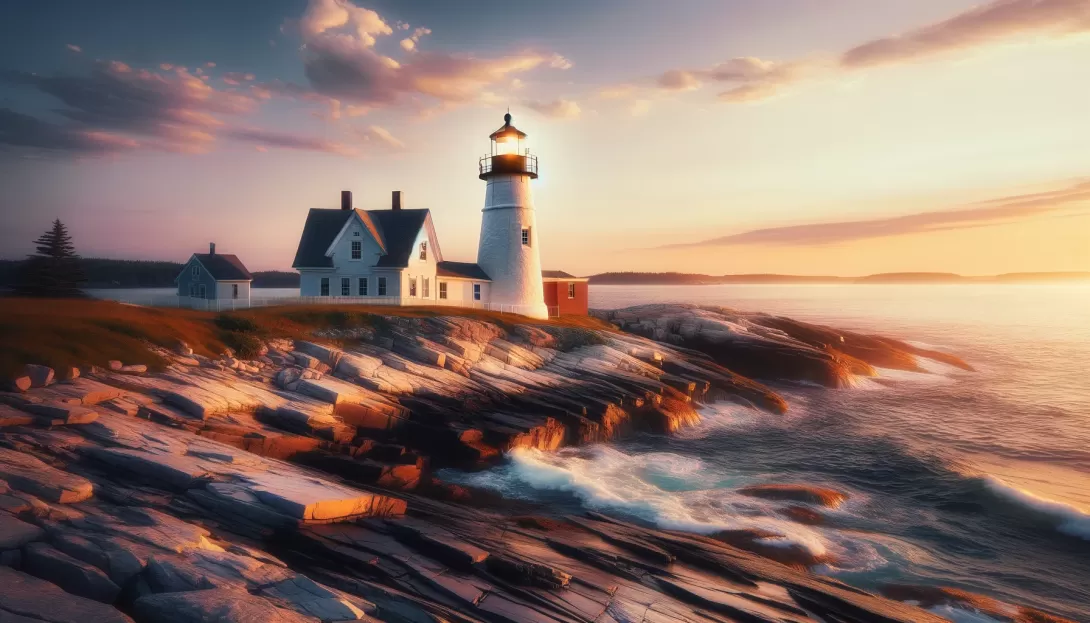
(224, 267)
(465, 270)
(399, 229)
(556, 274)
(395, 230)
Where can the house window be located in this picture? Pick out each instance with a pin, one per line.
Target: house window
(234, 290)
(526, 236)
(382, 286)
(325, 286)
(442, 289)
(196, 270)
(363, 286)
(424, 251)
(204, 293)
(427, 288)
(357, 249)
(193, 289)
(571, 290)
(476, 292)
(356, 234)
(412, 286)
(346, 286)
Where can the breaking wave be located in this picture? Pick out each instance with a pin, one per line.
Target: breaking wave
(1070, 519)
(668, 491)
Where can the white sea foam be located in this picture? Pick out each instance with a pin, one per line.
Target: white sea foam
(650, 487)
(958, 615)
(1071, 520)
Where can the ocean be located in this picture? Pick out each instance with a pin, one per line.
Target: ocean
(976, 480)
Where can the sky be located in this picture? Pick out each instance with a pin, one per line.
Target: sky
(811, 137)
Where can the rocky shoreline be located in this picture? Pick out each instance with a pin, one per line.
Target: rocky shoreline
(297, 485)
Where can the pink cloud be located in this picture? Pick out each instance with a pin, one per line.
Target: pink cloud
(993, 22)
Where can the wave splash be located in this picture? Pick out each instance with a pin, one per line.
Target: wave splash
(670, 491)
(1071, 520)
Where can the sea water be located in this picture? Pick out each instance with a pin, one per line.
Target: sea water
(977, 480)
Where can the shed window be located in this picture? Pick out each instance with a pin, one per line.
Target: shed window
(424, 251)
(442, 289)
(571, 290)
(196, 270)
(526, 236)
(325, 286)
(346, 286)
(357, 249)
(412, 286)
(363, 286)
(382, 286)
(234, 290)
(476, 292)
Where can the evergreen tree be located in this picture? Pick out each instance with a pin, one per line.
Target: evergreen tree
(54, 271)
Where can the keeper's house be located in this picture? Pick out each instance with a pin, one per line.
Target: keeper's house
(214, 279)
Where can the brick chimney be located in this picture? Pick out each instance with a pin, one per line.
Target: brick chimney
(211, 248)
(346, 199)
(396, 204)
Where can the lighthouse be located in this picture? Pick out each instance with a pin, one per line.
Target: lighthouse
(508, 251)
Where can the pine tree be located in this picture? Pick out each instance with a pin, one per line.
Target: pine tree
(54, 271)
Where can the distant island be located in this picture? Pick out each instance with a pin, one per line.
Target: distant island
(105, 273)
(677, 279)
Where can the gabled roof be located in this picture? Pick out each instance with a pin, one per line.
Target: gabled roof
(556, 274)
(462, 270)
(400, 228)
(222, 267)
(559, 275)
(394, 230)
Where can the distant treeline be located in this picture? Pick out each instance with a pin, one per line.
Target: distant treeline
(892, 278)
(103, 273)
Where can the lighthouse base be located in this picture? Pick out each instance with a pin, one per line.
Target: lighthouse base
(539, 312)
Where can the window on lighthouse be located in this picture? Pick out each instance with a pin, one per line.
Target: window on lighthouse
(526, 236)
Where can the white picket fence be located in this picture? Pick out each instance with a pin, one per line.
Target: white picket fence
(393, 301)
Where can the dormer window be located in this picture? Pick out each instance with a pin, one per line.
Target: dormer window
(357, 249)
(423, 250)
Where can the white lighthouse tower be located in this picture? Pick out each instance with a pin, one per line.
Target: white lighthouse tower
(508, 249)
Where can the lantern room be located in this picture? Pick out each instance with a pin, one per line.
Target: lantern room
(509, 154)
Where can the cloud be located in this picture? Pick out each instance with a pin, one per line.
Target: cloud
(24, 131)
(679, 80)
(283, 140)
(75, 48)
(982, 214)
(990, 23)
(235, 78)
(176, 109)
(117, 108)
(409, 43)
(750, 79)
(377, 134)
(556, 109)
(340, 60)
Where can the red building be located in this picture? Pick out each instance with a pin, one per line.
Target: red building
(565, 294)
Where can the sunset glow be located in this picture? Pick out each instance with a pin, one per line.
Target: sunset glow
(839, 138)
